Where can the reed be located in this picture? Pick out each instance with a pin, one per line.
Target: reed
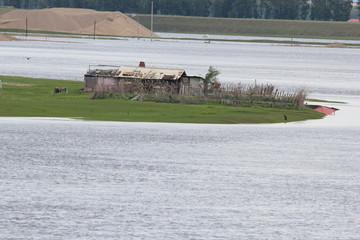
(237, 95)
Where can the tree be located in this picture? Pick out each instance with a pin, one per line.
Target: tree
(336, 10)
(210, 77)
(216, 8)
(43, 4)
(199, 8)
(242, 9)
(320, 10)
(286, 9)
(341, 10)
(264, 9)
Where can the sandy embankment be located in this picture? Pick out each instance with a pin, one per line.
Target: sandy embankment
(70, 20)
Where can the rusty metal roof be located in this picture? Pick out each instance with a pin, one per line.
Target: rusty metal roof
(150, 73)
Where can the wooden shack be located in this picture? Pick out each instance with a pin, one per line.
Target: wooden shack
(141, 79)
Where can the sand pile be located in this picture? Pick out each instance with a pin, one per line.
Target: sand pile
(72, 20)
(336, 45)
(6, 37)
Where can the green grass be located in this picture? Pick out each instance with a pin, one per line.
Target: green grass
(253, 27)
(29, 97)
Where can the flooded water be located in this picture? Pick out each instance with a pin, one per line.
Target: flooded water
(318, 69)
(73, 179)
(96, 180)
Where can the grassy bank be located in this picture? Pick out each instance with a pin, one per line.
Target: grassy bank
(253, 27)
(29, 97)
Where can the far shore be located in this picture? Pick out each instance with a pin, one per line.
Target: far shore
(14, 35)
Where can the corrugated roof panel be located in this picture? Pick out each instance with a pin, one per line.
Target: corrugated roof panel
(325, 110)
(150, 73)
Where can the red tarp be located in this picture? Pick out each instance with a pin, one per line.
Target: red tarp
(325, 110)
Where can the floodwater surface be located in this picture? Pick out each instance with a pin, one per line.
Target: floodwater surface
(73, 179)
(97, 180)
(317, 69)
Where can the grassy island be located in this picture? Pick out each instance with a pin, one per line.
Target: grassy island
(30, 97)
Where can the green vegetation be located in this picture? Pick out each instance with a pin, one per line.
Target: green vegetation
(239, 26)
(211, 77)
(328, 10)
(29, 97)
(253, 27)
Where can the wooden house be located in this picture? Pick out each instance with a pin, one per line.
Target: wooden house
(141, 79)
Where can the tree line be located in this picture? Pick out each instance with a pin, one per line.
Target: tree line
(324, 10)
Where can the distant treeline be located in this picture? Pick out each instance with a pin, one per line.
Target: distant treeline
(325, 10)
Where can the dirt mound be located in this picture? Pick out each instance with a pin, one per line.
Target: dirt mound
(72, 20)
(6, 37)
(336, 45)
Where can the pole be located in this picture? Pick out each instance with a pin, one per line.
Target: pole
(138, 31)
(26, 27)
(152, 19)
(94, 29)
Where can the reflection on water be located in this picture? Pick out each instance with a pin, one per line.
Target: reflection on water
(96, 180)
(71, 179)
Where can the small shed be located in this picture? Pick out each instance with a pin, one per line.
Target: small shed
(141, 79)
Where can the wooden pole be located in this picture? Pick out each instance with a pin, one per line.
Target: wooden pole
(26, 27)
(152, 19)
(138, 31)
(94, 30)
